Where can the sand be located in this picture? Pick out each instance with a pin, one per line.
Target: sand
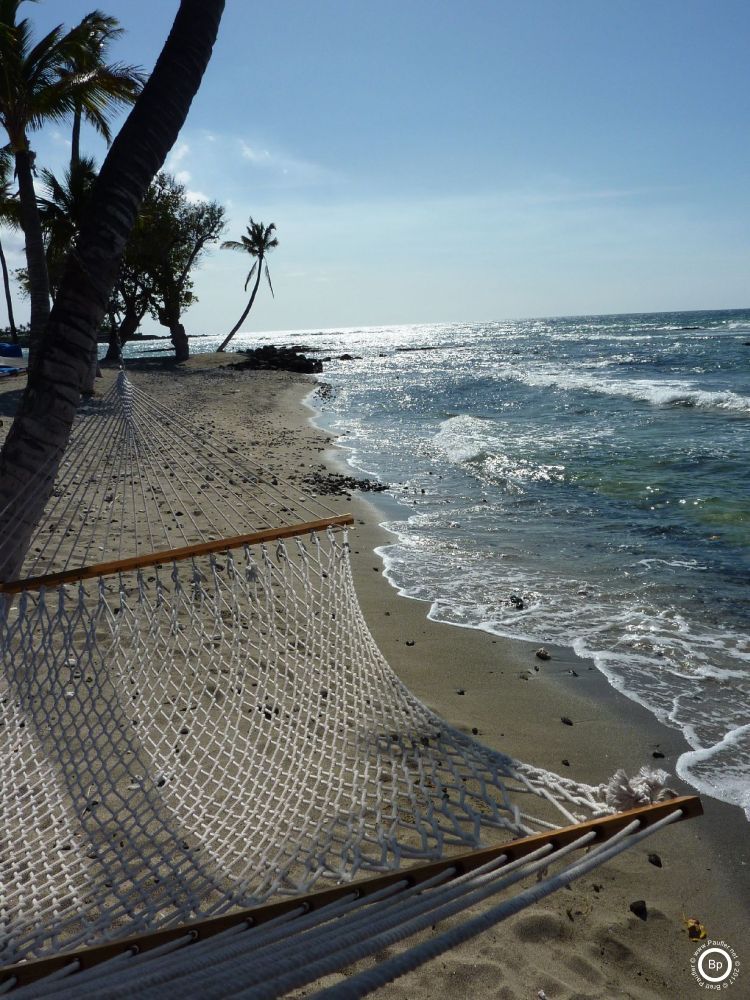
(585, 941)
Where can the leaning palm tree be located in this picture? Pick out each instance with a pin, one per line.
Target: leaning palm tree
(258, 242)
(40, 83)
(8, 217)
(36, 441)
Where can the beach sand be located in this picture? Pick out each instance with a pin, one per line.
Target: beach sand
(584, 941)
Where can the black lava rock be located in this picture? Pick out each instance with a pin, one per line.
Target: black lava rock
(291, 359)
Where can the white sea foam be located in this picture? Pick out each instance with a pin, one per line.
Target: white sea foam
(658, 393)
(721, 770)
(463, 438)
(654, 656)
(482, 495)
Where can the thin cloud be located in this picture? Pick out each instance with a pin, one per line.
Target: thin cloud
(255, 155)
(177, 155)
(290, 168)
(61, 140)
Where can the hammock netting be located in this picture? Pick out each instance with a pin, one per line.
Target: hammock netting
(213, 730)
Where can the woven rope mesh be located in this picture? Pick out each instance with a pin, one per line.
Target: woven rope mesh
(212, 731)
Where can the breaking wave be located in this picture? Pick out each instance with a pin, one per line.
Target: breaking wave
(658, 393)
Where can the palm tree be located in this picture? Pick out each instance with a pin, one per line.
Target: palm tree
(62, 213)
(8, 217)
(35, 444)
(258, 242)
(118, 82)
(41, 82)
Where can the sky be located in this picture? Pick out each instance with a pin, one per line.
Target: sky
(436, 161)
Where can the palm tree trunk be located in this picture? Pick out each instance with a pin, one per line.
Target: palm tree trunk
(75, 138)
(243, 317)
(36, 261)
(8, 299)
(35, 444)
(89, 385)
(75, 159)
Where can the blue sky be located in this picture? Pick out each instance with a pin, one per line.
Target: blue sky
(432, 161)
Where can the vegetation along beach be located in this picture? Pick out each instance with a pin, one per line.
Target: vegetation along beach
(314, 568)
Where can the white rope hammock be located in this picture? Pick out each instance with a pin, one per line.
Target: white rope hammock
(194, 718)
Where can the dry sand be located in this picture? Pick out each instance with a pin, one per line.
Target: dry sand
(584, 942)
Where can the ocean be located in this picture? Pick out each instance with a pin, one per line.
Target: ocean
(581, 480)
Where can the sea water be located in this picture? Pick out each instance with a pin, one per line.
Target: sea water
(579, 480)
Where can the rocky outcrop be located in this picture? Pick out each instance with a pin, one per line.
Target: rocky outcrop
(326, 483)
(290, 359)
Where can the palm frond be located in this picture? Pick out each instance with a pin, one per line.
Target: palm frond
(268, 279)
(62, 73)
(45, 58)
(103, 26)
(250, 273)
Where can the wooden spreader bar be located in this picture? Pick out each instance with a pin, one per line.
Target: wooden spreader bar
(173, 555)
(605, 827)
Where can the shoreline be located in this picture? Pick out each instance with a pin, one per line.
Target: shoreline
(709, 857)
(583, 941)
(600, 690)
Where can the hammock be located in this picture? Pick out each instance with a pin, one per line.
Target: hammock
(197, 728)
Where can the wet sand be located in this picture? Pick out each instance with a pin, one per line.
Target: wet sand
(585, 941)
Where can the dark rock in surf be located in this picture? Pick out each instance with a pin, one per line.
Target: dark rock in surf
(271, 358)
(332, 484)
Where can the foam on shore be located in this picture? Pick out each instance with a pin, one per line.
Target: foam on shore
(583, 942)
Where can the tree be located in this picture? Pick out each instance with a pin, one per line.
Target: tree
(134, 289)
(168, 241)
(8, 217)
(62, 213)
(118, 83)
(39, 83)
(181, 233)
(35, 444)
(258, 242)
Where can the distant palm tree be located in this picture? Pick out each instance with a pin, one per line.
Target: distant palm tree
(258, 242)
(49, 81)
(8, 217)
